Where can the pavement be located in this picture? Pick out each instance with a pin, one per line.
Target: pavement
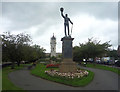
(103, 80)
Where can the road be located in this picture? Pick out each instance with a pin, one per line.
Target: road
(103, 80)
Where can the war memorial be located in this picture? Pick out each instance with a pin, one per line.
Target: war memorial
(67, 64)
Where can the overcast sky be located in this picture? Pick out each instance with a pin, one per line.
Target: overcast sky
(42, 19)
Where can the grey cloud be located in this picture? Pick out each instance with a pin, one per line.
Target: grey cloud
(24, 15)
(99, 10)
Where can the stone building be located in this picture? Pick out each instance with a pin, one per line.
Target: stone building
(53, 46)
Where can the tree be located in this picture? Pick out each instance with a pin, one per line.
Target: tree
(77, 54)
(16, 48)
(112, 53)
(37, 52)
(12, 45)
(90, 49)
(118, 51)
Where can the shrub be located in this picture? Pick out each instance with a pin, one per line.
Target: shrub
(53, 58)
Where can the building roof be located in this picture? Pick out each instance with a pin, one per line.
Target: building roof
(53, 37)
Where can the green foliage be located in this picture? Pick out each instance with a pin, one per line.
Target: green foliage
(40, 71)
(53, 58)
(60, 56)
(112, 53)
(90, 49)
(77, 54)
(36, 51)
(17, 48)
(12, 46)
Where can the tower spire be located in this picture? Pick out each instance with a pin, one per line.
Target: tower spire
(53, 35)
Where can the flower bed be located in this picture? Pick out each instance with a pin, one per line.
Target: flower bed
(79, 74)
(40, 69)
(52, 65)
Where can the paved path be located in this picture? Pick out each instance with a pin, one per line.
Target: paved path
(103, 80)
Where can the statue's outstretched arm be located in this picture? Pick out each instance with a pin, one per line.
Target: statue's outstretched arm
(70, 21)
(62, 15)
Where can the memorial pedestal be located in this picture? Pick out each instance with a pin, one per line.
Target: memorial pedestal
(67, 64)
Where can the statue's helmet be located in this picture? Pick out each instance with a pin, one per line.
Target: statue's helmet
(61, 9)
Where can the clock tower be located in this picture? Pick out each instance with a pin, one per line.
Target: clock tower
(53, 46)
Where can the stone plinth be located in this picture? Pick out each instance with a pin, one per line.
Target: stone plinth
(67, 64)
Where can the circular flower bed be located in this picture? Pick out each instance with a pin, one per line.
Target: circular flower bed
(78, 74)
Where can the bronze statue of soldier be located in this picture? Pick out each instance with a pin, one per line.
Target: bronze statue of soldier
(66, 22)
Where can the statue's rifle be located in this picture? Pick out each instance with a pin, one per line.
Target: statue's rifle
(71, 29)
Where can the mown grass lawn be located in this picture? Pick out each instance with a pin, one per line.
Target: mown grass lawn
(40, 72)
(6, 83)
(115, 70)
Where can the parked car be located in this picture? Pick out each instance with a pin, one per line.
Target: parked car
(117, 63)
(108, 60)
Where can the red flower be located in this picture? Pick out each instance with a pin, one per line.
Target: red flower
(52, 65)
